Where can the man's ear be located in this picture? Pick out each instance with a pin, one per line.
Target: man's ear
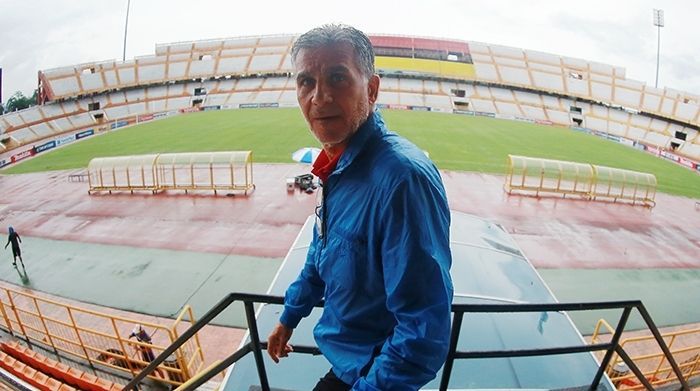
(373, 88)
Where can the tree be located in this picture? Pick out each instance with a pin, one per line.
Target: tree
(20, 102)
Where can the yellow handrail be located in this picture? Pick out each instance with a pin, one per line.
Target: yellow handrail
(66, 331)
(653, 365)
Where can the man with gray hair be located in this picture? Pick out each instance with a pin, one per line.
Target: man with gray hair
(380, 250)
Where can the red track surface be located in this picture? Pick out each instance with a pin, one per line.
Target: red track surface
(553, 232)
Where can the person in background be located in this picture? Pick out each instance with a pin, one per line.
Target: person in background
(380, 254)
(14, 239)
(142, 336)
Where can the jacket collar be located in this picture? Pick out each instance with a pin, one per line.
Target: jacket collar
(373, 127)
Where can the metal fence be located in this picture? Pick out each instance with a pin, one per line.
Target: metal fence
(654, 366)
(610, 348)
(101, 340)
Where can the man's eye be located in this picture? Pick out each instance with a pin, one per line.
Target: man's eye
(337, 77)
(306, 82)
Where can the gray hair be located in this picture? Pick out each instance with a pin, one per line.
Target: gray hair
(333, 34)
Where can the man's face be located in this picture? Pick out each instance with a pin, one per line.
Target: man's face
(333, 94)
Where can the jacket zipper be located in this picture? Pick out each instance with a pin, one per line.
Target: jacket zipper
(324, 218)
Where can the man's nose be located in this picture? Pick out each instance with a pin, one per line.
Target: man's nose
(322, 94)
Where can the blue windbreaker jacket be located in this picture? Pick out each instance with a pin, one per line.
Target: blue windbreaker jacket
(380, 257)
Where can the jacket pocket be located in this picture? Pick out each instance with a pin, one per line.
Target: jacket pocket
(346, 263)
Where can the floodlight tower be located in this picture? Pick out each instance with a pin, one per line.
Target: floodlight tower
(126, 25)
(659, 23)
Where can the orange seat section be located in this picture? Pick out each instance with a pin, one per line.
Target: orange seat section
(47, 374)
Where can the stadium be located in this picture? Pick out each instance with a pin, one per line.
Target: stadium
(166, 235)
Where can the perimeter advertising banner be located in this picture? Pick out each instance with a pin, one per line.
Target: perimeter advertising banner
(118, 124)
(485, 114)
(440, 110)
(22, 155)
(668, 155)
(3, 163)
(686, 162)
(656, 151)
(85, 133)
(505, 116)
(523, 119)
(419, 108)
(652, 150)
(678, 159)
(580, 129)
(65, 140)
(611, 137)
(627, 142)
(45, 146)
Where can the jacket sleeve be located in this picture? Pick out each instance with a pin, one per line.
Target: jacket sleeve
(416, 260)
(305, 292)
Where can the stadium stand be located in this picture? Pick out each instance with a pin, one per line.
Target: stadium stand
(417, 73)
(47, 374)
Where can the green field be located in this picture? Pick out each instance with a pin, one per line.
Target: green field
(455, 143)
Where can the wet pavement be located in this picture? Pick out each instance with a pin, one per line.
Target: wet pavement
(154, 253)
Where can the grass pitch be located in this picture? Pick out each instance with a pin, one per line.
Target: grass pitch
(455, 142)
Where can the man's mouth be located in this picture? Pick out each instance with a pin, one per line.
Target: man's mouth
(325, 117)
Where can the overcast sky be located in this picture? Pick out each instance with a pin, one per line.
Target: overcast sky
(44, 34)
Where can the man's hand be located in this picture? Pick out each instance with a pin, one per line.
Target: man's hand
(277, 346)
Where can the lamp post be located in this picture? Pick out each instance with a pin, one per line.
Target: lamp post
(126, 25)
(659, 23)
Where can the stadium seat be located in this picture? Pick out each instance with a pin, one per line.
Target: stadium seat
(38, 369)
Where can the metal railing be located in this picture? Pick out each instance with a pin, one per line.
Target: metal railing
(653, 365)
(255, 346)
(99, 339)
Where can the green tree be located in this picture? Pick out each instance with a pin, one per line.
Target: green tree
(20, 102)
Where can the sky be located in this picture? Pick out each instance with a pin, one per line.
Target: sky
(43, 34)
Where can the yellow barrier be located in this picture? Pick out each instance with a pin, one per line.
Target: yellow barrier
(229, 171)
(421, 65)
(653, 365)
(100, 339)
(588, 181)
